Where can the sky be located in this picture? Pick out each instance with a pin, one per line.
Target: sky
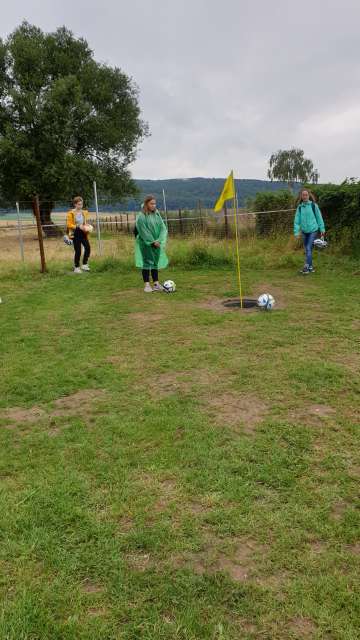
(223, 85)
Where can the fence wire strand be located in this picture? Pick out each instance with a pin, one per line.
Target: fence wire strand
(19, 226)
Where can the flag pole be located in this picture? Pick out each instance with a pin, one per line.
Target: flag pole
(237, 246)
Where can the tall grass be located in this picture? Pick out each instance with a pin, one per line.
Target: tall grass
(200, 251)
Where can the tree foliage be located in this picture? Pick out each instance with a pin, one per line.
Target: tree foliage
(65, 119)
(291, 166)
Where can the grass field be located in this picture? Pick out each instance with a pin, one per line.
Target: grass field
(172, 470)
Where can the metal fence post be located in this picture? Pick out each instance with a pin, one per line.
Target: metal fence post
(226, 222)
(21, 241)
(97, 220)
(181, 223)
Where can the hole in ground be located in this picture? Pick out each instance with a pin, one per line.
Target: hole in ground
(234, 303)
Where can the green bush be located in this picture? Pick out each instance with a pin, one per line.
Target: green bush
(269, 223)
(200, 254)
(340, 206)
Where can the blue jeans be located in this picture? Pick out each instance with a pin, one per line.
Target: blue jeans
(308, 239)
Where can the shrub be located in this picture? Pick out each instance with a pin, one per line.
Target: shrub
(269, 223)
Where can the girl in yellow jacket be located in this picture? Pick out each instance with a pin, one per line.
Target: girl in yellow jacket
(77, 229)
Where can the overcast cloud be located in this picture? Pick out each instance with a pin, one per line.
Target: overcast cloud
(225, 84)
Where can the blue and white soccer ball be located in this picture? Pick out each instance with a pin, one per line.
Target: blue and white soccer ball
(320, 243)
(169, 286)
(266, 301)
(68, 240)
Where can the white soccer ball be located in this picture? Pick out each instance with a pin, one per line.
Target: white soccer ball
(169, 286)
(68, 240)
(320, 243)
(88, 228)
(266, 301)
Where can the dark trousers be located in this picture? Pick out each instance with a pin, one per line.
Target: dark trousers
(146, 275)
(80, 238)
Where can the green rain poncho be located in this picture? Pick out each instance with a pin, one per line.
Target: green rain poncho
(151, 228)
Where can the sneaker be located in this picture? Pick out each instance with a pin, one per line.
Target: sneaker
(148, 288)
(311, 270)
(85, 267)
(305, 269)
(158, 287)
(77, 270)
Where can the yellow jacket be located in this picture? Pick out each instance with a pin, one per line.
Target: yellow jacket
(70, 220)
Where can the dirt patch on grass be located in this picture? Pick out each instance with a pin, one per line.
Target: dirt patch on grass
(303, 627)
(166, 496)
(163, 492)
(244, 626)
(23, 416)
(317, 547)
(168, 492)
(338, 510)
(321, 410)
(354, 549)
(183, 381)
(125, 523)
(312, 415)
(234, 409)
(52, 433)
(138, 562)
(350, 361)
(273, 581)
(143, 319)
(97, 611)
(79, 402)
(239, 562)
(114, 359)
(91, 587)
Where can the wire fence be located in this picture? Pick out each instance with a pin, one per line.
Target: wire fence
(19, 229)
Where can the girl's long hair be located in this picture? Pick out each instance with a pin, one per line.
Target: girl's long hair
(146, 201)
(299, 198)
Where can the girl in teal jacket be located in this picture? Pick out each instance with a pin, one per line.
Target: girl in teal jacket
(309, 222)
(151, 236)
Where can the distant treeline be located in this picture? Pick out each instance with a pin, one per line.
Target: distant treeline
(180, 194)
(186, 193)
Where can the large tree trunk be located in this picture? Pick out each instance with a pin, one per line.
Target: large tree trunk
(50, 229)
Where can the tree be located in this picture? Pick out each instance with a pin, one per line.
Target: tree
(65, 120)
(290, 166)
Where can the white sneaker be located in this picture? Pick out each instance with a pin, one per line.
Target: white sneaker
(158, 287)
(77, 270)
(148, 288)
(85, 267)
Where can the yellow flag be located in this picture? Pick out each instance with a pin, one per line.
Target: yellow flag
(227, 192)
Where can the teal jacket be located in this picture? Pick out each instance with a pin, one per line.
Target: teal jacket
(306, 220)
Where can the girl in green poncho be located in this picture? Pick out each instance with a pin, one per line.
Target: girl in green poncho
(151, 236)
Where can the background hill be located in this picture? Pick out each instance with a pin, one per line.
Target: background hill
(186, 193)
